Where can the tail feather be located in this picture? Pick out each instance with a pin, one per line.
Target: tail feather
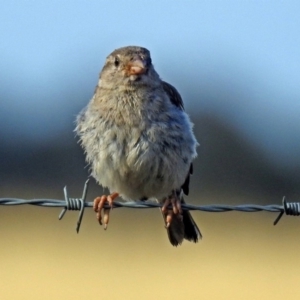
(176, 232)
(185, 228)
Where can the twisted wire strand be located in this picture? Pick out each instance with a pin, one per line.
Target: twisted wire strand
(75, 204)
(288, 208)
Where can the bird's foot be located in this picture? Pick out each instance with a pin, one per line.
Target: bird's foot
(99, 206)
(176, 210)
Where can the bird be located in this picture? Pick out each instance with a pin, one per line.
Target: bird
(139, 141)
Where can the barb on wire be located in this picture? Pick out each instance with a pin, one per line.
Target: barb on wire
(288, 208)
(75, 204)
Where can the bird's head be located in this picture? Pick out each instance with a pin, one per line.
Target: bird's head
(128, 66)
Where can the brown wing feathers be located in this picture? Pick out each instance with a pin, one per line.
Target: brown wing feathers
(176, 99)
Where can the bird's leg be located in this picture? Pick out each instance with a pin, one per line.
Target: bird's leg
(98, 207)
(176, 210)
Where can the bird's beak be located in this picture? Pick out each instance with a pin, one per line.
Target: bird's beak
(136, 67)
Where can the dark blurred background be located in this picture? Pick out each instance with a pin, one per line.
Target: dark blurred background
(236, 64)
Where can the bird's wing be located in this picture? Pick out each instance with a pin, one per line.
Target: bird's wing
(177, 101)
(173, 95)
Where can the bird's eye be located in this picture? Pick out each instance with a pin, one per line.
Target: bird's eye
(117, 61)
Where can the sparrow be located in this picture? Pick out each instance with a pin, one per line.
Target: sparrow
(138, 140)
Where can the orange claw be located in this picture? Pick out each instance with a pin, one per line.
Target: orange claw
(106, 217)
(176, 210)
(165, 206)
(98, 207)
(111, 198)
(169, 217)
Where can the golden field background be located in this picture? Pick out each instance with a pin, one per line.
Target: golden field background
(242, 255)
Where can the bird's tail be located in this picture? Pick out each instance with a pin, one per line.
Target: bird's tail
(184, 228)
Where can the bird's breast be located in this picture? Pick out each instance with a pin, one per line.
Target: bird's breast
(139, 148)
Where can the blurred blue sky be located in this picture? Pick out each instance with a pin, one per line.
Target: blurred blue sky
(238, 60)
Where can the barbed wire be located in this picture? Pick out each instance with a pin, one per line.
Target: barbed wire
(288, 208)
